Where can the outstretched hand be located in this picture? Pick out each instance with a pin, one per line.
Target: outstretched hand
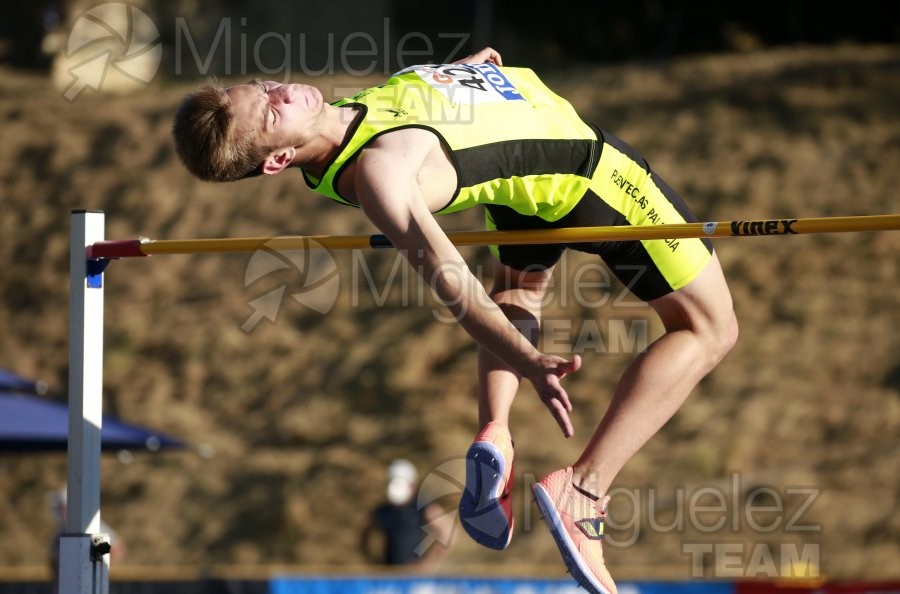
(545, 378)
(486, 55)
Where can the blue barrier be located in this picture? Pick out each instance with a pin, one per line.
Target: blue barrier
(447, 585)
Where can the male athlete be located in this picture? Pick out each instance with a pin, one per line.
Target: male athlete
(441, 138)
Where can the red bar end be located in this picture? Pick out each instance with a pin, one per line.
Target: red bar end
(127, 248)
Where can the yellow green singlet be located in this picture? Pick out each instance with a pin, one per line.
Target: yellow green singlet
(526, 155)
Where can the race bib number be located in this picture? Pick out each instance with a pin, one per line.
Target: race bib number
(468, 83)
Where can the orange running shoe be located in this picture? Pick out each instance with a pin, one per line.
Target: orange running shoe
(485, 508)
(575, 519)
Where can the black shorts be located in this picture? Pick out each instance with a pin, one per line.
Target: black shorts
(624, 190)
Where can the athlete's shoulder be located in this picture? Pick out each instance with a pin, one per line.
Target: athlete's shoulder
(404, 143)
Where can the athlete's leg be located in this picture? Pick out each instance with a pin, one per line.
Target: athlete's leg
(700, 330)
(485, 506)
(520, 295)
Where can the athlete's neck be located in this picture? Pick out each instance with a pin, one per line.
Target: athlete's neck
(319, 153)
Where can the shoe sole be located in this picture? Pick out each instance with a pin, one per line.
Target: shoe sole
(564, 543)
(480, 511)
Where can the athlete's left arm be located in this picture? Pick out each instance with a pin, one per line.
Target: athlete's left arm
(387, 187)
(488, 54)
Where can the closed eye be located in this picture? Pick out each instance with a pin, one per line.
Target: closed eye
(269, 111)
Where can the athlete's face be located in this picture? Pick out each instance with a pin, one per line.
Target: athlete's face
(279, 115)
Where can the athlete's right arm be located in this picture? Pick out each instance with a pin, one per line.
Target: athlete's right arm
(388, 191)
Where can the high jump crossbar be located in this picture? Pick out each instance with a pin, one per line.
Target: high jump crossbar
(83, 559)
(147, 247)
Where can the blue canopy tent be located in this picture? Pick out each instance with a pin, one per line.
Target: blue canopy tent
(29, 424)
(12, 382)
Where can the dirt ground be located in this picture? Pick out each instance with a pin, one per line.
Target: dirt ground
(303, 414)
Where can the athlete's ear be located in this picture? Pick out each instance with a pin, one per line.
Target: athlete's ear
(278, 160)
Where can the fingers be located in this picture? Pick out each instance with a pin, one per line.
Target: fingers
(560, 394)
(549, 371)
(559, 404)
(576, 363)
(488, 54)
(564, 367)
(562, 418)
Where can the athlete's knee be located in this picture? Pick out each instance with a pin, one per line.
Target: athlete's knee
(511, 285)
(727, 331)
(520, 296)
(719, 335)
(713, 329)
(705, 309)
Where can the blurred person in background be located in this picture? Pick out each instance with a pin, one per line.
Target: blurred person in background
(439, 138)
(407, 532)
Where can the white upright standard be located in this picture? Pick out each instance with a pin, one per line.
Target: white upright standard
(83, 555)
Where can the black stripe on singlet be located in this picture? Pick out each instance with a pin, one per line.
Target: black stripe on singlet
(519, 158)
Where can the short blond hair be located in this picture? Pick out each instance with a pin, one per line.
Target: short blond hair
(208, 141)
